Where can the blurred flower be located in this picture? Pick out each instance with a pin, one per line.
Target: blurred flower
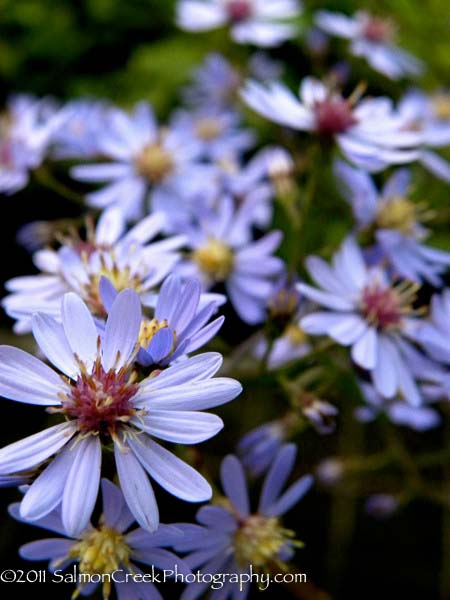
(420, 418)
(231, 538)
(257, 22)
(26, 130)
(144, 157)
(330, 471)
(434, 334)
(257, 448)
(381, 506)
(368, 132)
(320, 413)
(427, 115)
(128, 260)
(397, 221)
(371, 38)
(179, 325)
(370, 314)
(97, 392)
(84, 123)
(214, 85)
(216, 131)
(220, 255)
(105, 549)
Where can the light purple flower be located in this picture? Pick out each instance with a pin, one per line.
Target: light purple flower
(434, 334)
(84, 122)
(368, 132)
(128, 259)
(26, 131)
(97, 392)
(217, 131)
(215, 84)
(180, 322)
(109, 548)
(220, 255)
(366, 311)
(143, 158)
(397, 223)
(371, 38)
(258, 22)
(420, 418)
(230, 538)
(430, 117)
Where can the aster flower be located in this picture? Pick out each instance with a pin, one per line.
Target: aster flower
(26, 131)
(97, 392)
(220, 255)
(84, 122)
(257, 22)
(434, 333)
(429, 115)
(396, 221)
(370, 313)
(216, 130)
(371, 38)
(106, 549)
(143, 157)
(231, 538)
(399, 412)
(368, 132)
(214, 84)
(180, 322)
(128, 260)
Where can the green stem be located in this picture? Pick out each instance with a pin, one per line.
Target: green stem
(47, 179)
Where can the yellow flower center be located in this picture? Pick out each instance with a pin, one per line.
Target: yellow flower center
(295, 334)
(154, 163)
(441, 103)
(259, 540)
(101, 551)
(216, 259)
(208, 129)
(121, 278)
(400, 213)
(148, 330)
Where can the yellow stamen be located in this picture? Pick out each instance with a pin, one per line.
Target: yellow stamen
(215, 258)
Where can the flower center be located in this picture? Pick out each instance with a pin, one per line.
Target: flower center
(208, 129)
(385, 307)
(441, 105)
(100, 400)
(259, 541)
(154, 163)
(295, 334)
(399, 213)
(378, 30)
(215, 258)
(121, 278)
(148, 330)
(101, 551)
(239, 10)
(334, 115)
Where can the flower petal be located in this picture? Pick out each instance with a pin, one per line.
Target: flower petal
(50, 336)
(174, 475)
(122, 330)
(180, 427)
(234, 484)
(136, 489)
(81, 489)
(79, 328)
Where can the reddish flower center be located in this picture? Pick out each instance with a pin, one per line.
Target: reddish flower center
(100, 400)
(377, 30)
(334, 115)
(382, 306)
(239, 10)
